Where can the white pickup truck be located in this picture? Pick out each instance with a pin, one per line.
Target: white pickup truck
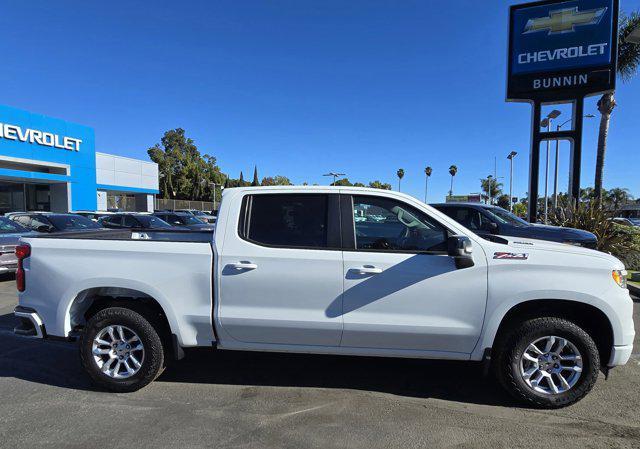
(331, 270)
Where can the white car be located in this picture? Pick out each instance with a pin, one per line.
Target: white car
(289, 269)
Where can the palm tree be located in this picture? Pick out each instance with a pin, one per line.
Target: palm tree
(491, 188)
(400, 174)
(427, 172)
(628, 63)
(618, 197)
(453, 170)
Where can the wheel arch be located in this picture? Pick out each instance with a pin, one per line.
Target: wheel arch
(90, 301)
(589, 317)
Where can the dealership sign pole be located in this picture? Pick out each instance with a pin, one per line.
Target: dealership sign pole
(560, 52)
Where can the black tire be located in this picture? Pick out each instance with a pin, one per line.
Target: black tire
(508, 354)
(152, 364)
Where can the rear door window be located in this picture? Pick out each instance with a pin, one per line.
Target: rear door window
(293, 221)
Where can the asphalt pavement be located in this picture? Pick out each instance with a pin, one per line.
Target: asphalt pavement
(259, 400)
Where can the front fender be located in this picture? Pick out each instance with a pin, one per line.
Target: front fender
(616, 307)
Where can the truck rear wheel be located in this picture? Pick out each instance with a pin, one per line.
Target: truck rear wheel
(547, 362)
(121, 350)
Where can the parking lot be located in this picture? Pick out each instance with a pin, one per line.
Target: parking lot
(233, 399)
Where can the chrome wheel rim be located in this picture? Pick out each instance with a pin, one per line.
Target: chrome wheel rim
(551, 365)
(118, 352)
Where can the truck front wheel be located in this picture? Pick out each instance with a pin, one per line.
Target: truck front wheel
(120, 350)
(548, 362)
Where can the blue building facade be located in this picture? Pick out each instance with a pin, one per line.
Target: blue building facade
(52, 164)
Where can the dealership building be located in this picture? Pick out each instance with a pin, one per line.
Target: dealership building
(49, 164)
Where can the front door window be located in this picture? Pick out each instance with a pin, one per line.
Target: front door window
(383, 224)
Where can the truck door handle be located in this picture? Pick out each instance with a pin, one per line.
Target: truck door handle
(243, 265)
(367, 269)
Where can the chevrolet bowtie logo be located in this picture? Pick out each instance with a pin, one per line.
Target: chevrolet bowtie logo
(564, 20)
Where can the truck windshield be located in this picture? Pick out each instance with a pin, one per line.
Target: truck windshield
(505, 217)
(64, 222)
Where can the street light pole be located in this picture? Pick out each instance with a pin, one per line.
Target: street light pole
(335, 176)
(555, 180)
(546, 179)
(510, 157)
(546, 123)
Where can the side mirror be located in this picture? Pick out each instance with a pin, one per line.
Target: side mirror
(460, 248)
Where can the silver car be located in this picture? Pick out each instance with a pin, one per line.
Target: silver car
(10, 233)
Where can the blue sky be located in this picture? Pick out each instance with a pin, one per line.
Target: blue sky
(297, 87)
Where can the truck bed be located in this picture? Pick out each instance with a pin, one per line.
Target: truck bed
(171, 235)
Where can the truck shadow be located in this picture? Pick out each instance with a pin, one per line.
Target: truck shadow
(57, 364)
(446, 380)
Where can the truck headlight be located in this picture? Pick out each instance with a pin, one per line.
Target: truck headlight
(620, 277)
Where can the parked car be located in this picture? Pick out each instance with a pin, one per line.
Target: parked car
(634, 222)
(184, 219)
(54, 222)
(290, 270)
(93, 215)
(10, 233)
(199, 214)
(131, 220)
(486, 220)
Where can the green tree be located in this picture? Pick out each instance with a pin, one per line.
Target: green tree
(358, 184)
(453, 171)
(380, 185)
(520, 209)
(276, 181)
(586, 194)
(342, 182)
(255, 182)
(617, 197)
(503, 202)
(490, 188)
(184, 172)
(628, 63)
(400, 174)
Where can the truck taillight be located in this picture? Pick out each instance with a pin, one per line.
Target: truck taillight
(22, 252)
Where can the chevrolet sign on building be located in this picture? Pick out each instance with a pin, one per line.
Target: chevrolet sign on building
(561, 49)
(50, 164)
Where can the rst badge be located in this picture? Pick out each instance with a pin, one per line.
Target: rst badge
(562, 49)
(510, 256)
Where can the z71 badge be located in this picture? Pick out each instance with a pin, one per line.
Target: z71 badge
(511, 256)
